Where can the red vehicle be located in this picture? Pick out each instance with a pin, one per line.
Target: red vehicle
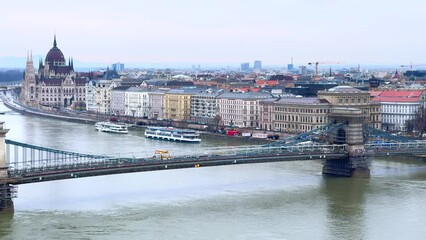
(233, 133)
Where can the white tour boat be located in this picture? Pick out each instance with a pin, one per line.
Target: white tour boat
(111, 127)
(173, 134)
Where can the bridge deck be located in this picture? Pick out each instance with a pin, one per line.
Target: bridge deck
(30, 163)
(127, 166)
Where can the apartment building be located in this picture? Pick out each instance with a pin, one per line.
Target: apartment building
(177, 104)
(203, 106)
(99, 94)
(240, 109)
(156, 104)
(136, 102)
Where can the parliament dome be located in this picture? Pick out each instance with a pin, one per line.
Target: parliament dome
(55, 55)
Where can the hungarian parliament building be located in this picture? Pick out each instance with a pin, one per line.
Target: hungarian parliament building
(56, 84)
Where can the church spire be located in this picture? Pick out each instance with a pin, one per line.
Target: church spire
(54, 40)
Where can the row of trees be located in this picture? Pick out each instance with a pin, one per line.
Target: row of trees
(418, 123)
(11, 76)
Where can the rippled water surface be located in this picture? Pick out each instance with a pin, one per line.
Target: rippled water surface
(288, 200)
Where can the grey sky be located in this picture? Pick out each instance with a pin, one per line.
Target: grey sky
(218, 31)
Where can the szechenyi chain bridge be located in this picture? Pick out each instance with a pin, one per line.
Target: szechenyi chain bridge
(345, 147)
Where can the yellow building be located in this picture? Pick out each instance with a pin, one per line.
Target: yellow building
(177, 104)
(346, 96)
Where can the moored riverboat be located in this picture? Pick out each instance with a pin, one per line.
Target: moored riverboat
(173, 134)
(111, 127)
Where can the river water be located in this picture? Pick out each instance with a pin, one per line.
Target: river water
(287, 200)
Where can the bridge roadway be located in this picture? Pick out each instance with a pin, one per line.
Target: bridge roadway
(128, 165)
(41, 170)
(415, 148)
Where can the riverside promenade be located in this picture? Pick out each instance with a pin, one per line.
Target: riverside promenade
(11, 102)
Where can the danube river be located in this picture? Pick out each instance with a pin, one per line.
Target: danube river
(286, 200)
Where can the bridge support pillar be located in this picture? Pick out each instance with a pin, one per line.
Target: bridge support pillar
(3, 165)
(356, 164)
(7, 191)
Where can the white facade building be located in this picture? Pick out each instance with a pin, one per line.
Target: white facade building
(156, 104)
(136, 102)
(397, 107)
(240, 109)
(99, 95)
(117, 100)
(396, 114)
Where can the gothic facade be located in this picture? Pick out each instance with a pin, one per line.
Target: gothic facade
(55, 84)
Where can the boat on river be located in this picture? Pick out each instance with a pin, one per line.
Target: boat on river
(111, 127)
(173, 134)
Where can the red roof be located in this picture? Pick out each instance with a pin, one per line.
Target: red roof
(397, 96)
(401, 94)
(266, 82)
(396, 99)
(375, 93)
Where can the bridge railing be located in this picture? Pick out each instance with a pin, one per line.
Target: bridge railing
(256, 149)
(45, 165)
(26, 156)
(396, 146)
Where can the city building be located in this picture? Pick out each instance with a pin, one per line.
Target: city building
(203, 106)
(118, 98)
(136, 102)
(245, 67)
(347, 96)
(240, 109)
(156, 104)
(303, 70)
(294, 114)
(290, 66)
(99, 95)
(257, 66)
(55, 84)
(397, 107)
(177, 104)
(118, 67)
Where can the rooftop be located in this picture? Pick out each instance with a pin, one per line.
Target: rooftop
(343, 89)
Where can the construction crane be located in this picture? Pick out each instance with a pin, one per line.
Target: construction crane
(316, 67)
(412, 66)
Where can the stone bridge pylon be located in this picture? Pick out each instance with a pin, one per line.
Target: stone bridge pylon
(3, 165)
(356, 164)
(6, 190)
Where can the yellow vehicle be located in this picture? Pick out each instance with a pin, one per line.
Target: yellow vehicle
(163, 154)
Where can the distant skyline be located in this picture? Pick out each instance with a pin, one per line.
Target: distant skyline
(217, 32)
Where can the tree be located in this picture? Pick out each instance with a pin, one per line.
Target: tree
(409, 125)
(217, 120)
(418, 122)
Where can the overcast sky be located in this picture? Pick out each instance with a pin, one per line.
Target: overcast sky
(218, 31)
